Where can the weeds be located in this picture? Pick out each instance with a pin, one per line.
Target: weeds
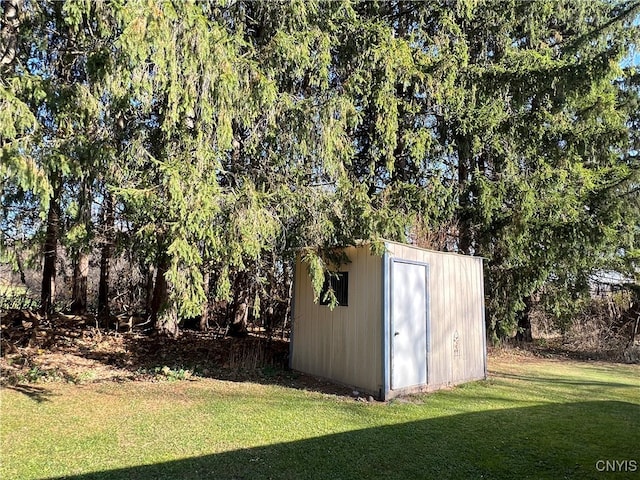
(178, 374)
(603, 327)
(16, 298)
(166, 373)
(35, 374)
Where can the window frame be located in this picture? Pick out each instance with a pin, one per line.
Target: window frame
(339, 282)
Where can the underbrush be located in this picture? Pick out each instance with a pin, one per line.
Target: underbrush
(70, 349)
(603, 328)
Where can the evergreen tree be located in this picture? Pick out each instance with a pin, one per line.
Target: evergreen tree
(229, 136)
(534, 128)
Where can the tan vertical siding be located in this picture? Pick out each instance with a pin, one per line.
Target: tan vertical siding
(456, 304)
(346, 344)
(438, 304)
(343, 344)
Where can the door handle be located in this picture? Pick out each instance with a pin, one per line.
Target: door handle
(396, 334)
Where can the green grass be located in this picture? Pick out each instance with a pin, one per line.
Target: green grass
(532, 419)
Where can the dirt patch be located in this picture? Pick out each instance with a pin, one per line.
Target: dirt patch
(73, 349)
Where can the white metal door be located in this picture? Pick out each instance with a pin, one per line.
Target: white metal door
(408, 324)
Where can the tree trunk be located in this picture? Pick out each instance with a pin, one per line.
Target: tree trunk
(80, 275)
(149, 287)
(163, 311)
(160, 290)
(81, 261)
(525, 333)
(167, 320)
(204, 318)
(238, 326)
(464, 222)
(48, 292)
(20, 265)
(287, 314)
(105, 256)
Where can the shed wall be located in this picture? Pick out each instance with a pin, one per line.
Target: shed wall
(456, 343)
(343, 344)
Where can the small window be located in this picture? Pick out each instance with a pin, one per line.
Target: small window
(339, 283)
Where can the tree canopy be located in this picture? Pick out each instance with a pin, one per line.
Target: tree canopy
(213, 140)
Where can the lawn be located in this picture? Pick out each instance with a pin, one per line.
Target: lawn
(534, 418)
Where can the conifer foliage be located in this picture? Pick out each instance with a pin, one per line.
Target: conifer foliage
(214, 140)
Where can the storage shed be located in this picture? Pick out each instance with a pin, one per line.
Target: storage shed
(411, 320)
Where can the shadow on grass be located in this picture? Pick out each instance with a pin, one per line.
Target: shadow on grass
(38, 394)
(252, 358)
(550, 441)
(562, 381)
(139, 356)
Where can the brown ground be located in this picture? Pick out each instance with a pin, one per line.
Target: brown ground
(73, 349)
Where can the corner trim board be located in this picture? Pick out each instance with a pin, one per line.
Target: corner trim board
(386, 359)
